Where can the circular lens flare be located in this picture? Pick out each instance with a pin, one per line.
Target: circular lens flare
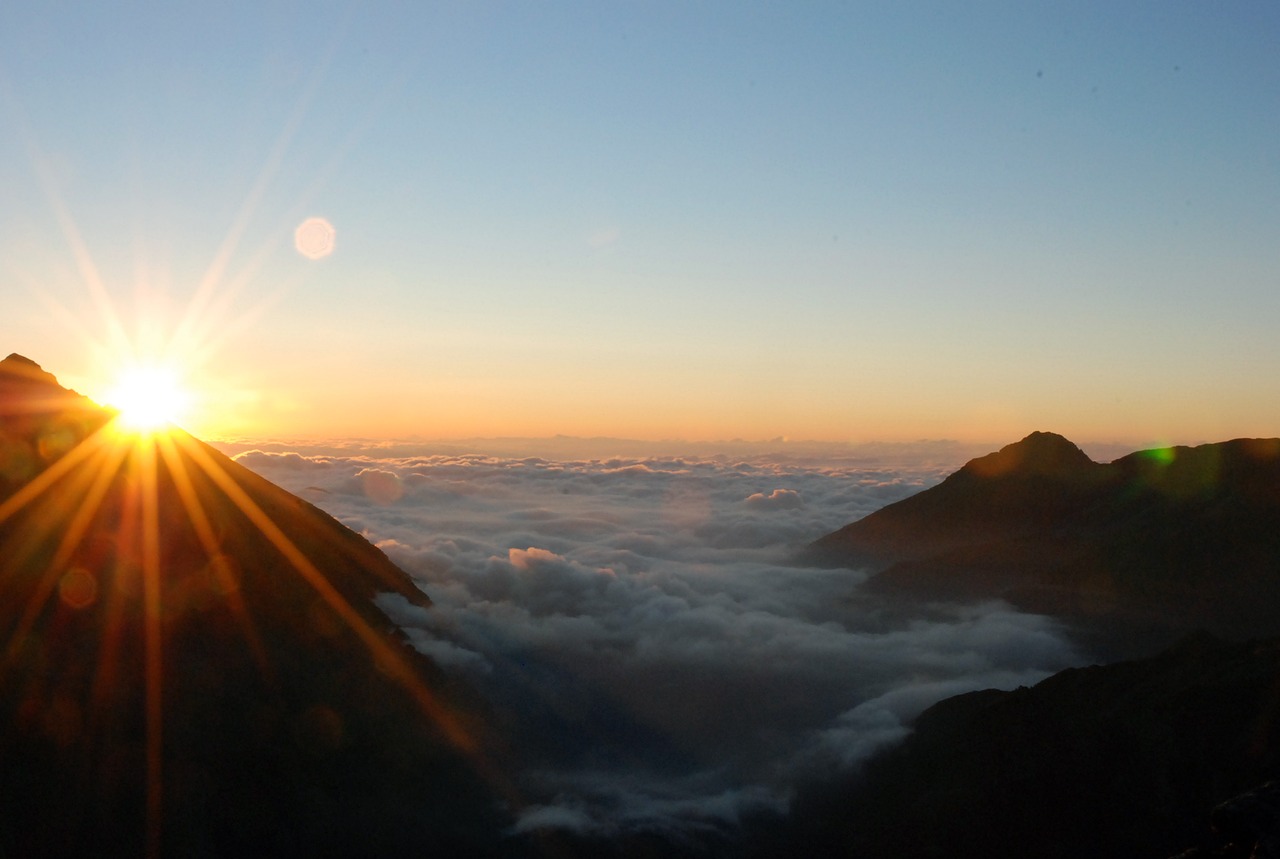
(148, 398)
(315, 238)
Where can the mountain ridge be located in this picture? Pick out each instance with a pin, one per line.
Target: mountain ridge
(1168, 540)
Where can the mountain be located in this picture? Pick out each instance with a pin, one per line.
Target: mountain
(191, 662)
(1136, 759)
(1141, 758)
(1154, 544)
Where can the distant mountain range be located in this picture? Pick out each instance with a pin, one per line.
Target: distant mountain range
(1148, 547)
(191, 662)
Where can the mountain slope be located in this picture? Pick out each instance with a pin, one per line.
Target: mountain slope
(192, 662)
(1014, 492)
(1124, 760)
(1170, 539)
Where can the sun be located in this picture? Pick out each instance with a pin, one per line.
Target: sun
(148, 398)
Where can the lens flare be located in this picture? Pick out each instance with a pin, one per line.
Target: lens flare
(315, 238)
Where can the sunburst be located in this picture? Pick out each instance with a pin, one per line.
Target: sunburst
(149, 397)
(130, 477)
(134, 480)
(143, 450)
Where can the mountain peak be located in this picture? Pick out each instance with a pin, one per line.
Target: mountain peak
(19, 368)
(15, 358)
(39, 420)
(1044, 454)
(1149, 545)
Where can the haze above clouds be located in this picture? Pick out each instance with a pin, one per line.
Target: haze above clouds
(658, 662)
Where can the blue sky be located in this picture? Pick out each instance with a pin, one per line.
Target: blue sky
(836, 221)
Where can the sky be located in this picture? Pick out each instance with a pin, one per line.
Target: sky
(826, 221)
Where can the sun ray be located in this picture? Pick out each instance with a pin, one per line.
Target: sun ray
(144, 459)
(177, 471)
(106, 676)
(385, 656)
(89, 273)
(150, 465)
(152, 471)
(213, 282)
(206, 324)
(99, 478)
(62, 466)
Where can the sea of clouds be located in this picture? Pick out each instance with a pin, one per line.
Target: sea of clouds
(663, 664)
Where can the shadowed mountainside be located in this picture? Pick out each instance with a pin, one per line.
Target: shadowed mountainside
(1156, 544)
(1123, 760)
(1126, 760)
(192, 663)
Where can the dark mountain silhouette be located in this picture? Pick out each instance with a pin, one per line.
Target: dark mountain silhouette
(1136, 759)
(1142, 758)
(191, 662)
(1145, 548)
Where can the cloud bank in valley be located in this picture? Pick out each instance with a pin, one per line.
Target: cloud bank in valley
(661, 664)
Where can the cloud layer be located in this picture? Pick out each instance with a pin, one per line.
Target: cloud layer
(662, 665)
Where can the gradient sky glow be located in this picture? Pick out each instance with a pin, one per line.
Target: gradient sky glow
(695, 220)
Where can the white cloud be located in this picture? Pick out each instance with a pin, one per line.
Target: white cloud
(660, 663)
(778, 499)
(554, 817)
